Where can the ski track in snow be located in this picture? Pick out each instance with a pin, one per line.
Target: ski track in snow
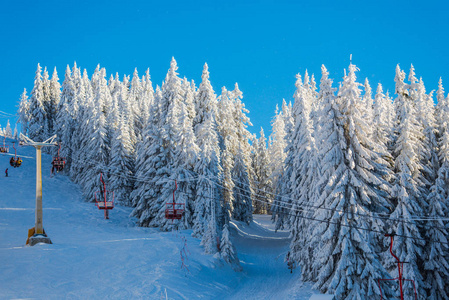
(94, 258)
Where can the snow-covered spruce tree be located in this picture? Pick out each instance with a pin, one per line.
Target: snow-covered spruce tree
(425, 115)
(135, 93)
(55, 96)
(79, 103)
(227, 250)
(81, 134)
(436, 261)
(146, 164)
(368, 106)
(171, 157)
(8, 131)
(15, 134)
(263, 192)
(207, 167)
(276, 146)
(209, 237)
(242, 121)
(121, 166)
(146, 98)
(228, 140)
(24, 112)
(409, 200)
(304, 173)
(96, 148)
(189, 98)
(279, 208)
(242, 206)
(345, 262)
(442, 109)
(46, 102)
(36, 124)
(66, 112)
(382, 125)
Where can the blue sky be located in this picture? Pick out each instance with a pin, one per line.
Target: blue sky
(259, 44)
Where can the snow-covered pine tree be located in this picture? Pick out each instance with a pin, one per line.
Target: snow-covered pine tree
(8, 131)
(276, 146)
(24, 112)
(81, 133)
(208, 166)
(442, 109)
(304, 173)
(345, 262)
(121, 165)
(227, 250)
(382, 126)
(78, 103)
(428, 151)
(146, 164)
(96, 148)
(46, 102)
(242, 121)
(242, 206)
(67, 110)
(16, 133)
(409, 200)
(36, 124)
(189, 98)
(368, 106)
(55, 96)
(228, 141)
(263, 192)
(209, 237)
(135, 93)
(146, 98)
(436, 261)
(279, 209)
(171, 158)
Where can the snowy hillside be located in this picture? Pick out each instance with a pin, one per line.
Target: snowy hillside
(94, 258)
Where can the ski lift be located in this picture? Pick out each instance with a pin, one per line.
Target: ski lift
(174, 211)
(104, 199)
(15, 161)
(400, 272)
(58, 162)
(4, 148)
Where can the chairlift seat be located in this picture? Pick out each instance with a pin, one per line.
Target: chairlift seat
(107, 205)
(174, 211)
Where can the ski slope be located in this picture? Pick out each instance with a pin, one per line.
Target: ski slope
(94, 258)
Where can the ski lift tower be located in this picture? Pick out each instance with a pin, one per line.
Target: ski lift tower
(37, 233)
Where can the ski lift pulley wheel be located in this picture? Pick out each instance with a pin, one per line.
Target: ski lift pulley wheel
(174, 211)
(104, 199)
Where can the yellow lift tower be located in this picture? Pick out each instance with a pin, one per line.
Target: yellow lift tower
(37, 233)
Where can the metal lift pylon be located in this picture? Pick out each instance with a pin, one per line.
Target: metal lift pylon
(37, 233)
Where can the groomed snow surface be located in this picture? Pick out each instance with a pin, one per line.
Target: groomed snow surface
(94, 258)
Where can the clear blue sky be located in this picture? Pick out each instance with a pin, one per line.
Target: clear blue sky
(259, 44)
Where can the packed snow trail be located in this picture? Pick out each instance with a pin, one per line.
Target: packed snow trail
(261, 251)
(94, 258)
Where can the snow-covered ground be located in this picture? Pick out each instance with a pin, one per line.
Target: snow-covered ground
(94, 258)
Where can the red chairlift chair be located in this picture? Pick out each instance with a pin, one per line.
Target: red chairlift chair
(174, 211)
(58, 162)
(104, 199)
(15, 161)
(4, 148)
